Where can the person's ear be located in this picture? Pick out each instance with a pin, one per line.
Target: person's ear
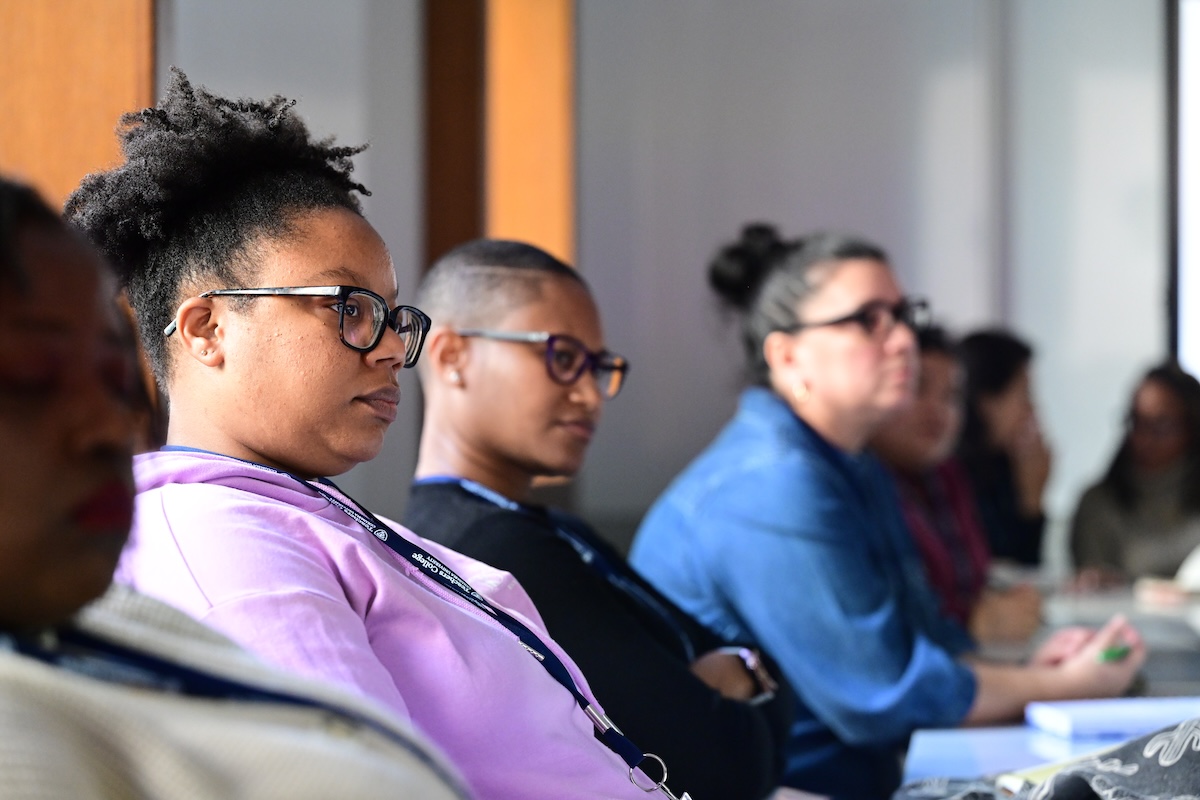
(781, 353)
(199, 330)
(448, 355)
(787, 362)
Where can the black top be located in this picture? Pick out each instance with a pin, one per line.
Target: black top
(635, 662)
(1011, 535)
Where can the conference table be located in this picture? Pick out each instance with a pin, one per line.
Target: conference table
(1172, 669)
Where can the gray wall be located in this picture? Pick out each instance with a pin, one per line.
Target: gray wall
(1087, 212)
(1008, 153)
(697, 116)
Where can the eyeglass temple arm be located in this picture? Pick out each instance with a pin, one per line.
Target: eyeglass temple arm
(310, 291)
(507, 336)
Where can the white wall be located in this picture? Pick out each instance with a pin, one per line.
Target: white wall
(696, 117)
(1088, 228)
(1188, 233)
(354, 66)
(976, 141)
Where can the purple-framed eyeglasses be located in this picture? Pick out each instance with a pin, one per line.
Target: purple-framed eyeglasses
(567, 358)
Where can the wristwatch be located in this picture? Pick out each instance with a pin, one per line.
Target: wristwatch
(754, 665)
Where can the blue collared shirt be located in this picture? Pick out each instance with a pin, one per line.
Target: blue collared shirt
(774, 535)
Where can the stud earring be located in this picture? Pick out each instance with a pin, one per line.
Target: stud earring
(455, 377)
(203, 352)
(800, 392)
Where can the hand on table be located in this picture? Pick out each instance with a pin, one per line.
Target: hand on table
(1060, 645)
(1089, 671)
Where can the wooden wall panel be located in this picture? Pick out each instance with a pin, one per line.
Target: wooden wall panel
(454, 130)
(530, 153)
(68, 70)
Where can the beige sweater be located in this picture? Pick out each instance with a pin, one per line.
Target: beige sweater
(64, 735)
(1151, 539)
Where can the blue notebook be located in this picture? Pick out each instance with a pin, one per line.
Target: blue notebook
(1124, 717)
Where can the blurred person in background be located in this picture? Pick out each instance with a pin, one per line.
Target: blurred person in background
(916, 445)
(1002, 447)
(786, 533)
(1142, 519)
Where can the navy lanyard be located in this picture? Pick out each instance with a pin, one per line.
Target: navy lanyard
(86, 654)
(441, 574)
(595, 560)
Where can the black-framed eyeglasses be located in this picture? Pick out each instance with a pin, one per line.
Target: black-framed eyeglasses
(567, 358)
(362, 316)
(878, 317)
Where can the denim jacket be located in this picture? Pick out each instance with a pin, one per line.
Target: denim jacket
(776, 536)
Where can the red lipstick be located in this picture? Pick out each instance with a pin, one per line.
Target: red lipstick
(108, 509)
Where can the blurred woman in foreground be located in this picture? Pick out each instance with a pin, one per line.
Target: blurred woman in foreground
(127, 697)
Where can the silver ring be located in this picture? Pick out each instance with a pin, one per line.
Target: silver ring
(654, 787)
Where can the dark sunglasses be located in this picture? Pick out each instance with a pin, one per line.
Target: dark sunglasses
(878, 318)
(362, 316)
(567, 358)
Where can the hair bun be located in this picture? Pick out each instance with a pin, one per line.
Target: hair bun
(738, 269)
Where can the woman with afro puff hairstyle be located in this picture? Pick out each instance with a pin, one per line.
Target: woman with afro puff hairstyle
(266, 302)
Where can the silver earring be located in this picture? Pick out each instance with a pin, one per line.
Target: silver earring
(203, 352)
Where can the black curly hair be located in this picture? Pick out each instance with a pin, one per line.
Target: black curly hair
(204, 179)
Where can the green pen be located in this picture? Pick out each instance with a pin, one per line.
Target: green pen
(1116, 653)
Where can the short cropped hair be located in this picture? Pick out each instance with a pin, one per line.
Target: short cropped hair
(478, 282)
